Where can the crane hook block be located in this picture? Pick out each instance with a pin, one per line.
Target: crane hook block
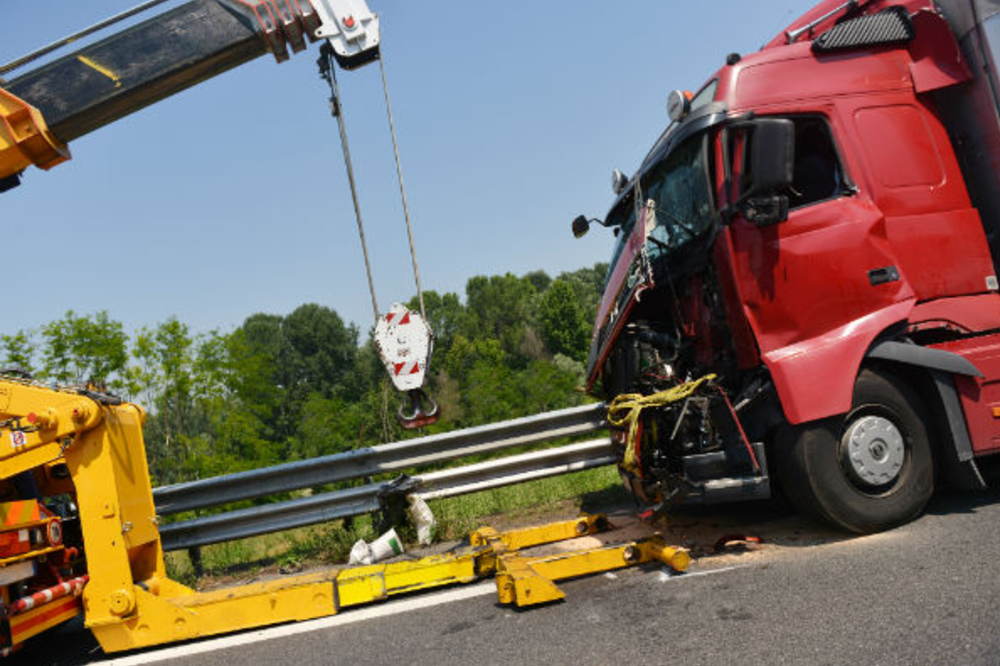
(404, 342)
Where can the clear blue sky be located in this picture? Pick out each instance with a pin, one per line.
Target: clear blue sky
(231, 198)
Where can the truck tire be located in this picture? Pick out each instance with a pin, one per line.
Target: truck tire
(865, 471)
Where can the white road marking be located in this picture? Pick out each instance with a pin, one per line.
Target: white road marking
(394, 607)
(670, 574)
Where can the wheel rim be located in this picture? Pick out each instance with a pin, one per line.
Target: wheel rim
(874, 452)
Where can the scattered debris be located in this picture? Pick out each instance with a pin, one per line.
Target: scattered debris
(736, 542)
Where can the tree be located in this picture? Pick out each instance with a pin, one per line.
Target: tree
(540, 280)
(322, 353)
(445, 315)
(465, 354)
(80, 349)
(564, 326)
(297, 386)
(498, 307)
(18, 351)
(178, 426)
(588, 285)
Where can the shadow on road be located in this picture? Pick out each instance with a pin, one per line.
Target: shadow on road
(775, 521)
(699, 529)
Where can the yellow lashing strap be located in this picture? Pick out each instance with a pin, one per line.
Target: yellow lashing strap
(626, 409)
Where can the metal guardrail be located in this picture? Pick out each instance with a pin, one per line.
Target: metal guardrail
(379, 460)
(515, 469)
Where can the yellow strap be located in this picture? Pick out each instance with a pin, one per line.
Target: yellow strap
(626, 409)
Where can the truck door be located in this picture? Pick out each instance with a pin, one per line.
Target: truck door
(829, 264)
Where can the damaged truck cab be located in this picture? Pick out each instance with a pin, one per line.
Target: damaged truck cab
(804, 275)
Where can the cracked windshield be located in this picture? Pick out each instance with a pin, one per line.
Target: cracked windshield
(681, 191)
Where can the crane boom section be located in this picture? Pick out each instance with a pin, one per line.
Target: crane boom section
(60, 101)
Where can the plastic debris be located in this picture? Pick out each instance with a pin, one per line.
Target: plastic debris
(423, 518)
(386, 546)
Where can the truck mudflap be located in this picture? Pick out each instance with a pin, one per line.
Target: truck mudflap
(979, 393)
(945, 366)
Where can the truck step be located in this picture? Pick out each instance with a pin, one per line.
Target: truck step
(705, 490)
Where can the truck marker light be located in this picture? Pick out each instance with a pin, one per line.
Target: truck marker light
(679, 104)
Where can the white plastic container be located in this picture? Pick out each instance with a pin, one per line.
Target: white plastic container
(386, 546)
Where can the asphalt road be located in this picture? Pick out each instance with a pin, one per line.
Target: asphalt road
(926, 593)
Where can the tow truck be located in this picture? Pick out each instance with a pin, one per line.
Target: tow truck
(62, 499)
(804, 278)
(79, 533)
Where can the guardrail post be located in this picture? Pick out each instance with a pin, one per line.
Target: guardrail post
(393, 512)
(194, 554)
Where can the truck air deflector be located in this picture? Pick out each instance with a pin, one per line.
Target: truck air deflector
(889, 27)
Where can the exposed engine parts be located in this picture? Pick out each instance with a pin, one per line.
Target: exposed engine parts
(678, 434)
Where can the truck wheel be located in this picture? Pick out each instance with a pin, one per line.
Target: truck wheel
(868, 470)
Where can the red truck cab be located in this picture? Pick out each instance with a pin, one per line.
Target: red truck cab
(817, 234)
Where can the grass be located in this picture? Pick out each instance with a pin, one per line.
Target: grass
(330, 543)
(457, 516)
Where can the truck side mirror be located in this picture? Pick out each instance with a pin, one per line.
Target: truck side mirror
(581, 225)
(771, 171)
(772, 156)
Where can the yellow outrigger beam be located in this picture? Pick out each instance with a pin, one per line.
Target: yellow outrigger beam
(167, 611)
(91, 446)
(526, 581)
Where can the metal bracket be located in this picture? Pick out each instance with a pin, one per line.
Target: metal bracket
(528, 581)
(25, 139)
(351, 28)
(282, 23)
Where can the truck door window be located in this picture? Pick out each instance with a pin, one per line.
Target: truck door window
(818, 175)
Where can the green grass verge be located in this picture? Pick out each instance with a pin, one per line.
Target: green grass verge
(456, 517)
(588, 490)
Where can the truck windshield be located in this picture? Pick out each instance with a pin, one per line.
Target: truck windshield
(680, 188)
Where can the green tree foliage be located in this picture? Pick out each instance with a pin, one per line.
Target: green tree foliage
(445, 314)
(565, 328)
(18, 351)
(285, 387)
(588, 285)
(79, 349)
(498, 308)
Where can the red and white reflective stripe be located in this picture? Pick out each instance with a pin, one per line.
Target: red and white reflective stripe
(73, 587)
(390, 316)
(409, 368)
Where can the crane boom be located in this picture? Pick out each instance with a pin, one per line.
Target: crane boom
(102, 82)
